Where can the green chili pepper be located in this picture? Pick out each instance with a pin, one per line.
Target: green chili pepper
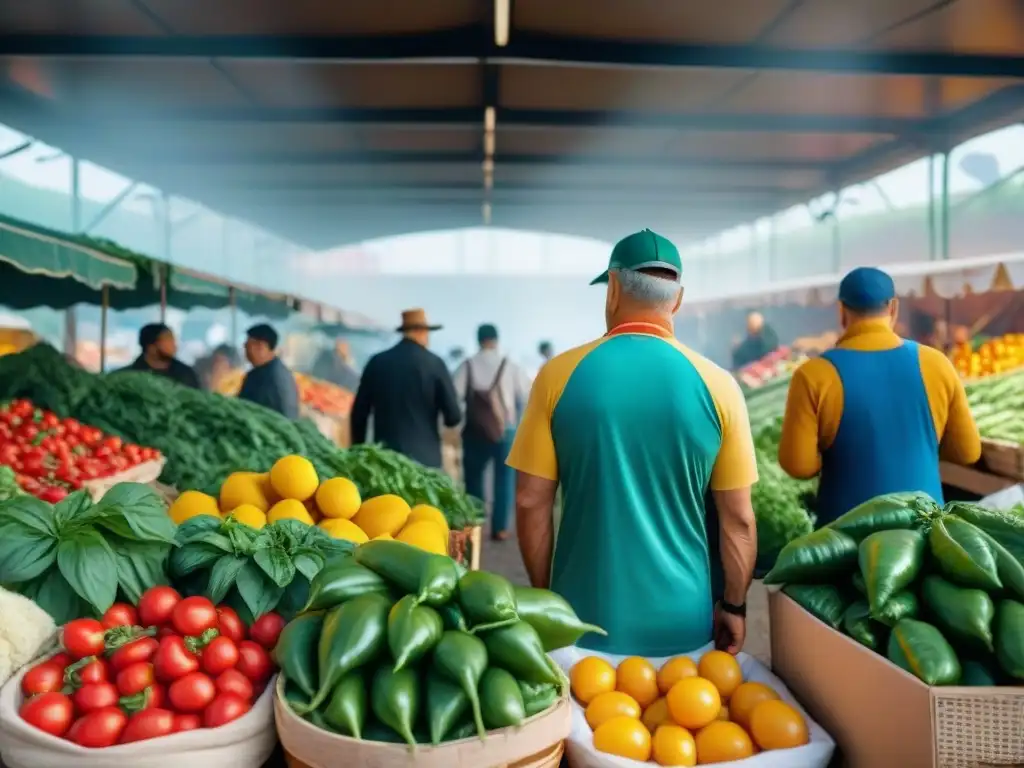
(353, 634)
(858, 625)
(552, 616)
(902, 605)
(317, 718)
(346, 709)
(432, 578)
(882, 513)
(963, 554)
(963, 615)
(1009, 640)
(890, 561)
(815, 558)
(341, 581)
(413, 631)
(447, 703)
(295, 698)
(453, 617)
(501, 701)
(487, 598)
(462, 658)
(824, 601)
(395, 700)
(463, 730)
(921, 649)
(538, 697)
(1009, 569)
(518, 649)
(296, 652)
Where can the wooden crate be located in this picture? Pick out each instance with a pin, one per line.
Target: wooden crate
(1003, 458)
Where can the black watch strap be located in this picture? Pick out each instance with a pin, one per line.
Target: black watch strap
(736, 610)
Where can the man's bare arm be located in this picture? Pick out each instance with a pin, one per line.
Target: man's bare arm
(535, 503)
(738, 541)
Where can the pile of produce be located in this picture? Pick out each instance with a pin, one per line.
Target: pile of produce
(320, 395)
(938, 590)
(998, 406)
(169, 664)
(685, 713)
(989, 358)
(779, 364)
(9, 485)
(52, 456)
(205, 437)
(401, 645)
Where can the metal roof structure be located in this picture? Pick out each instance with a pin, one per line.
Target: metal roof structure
(330, 123)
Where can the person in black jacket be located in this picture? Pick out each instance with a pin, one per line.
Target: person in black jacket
(159, 350)
(406, 389)
(269, 382)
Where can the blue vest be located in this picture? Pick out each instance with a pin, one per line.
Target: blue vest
(886, 440)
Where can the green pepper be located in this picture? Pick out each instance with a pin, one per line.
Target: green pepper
(1006, 527)
(815, 558)
(1009, 569)
(977, 674)
(317, 718)
(487, 598)
(293, 697)
(902, 605)
(823, 601)
(353, 634)
(963, 554)
(463, 730)
(340, 581)
(432, 578)
(858, 583)
(963, 614)
(892, 511)
(921, 649)
(517, 648)
(453, 617)
(462, 658)
(413, 631)
(377, 731)
(501, 701)
(1009, 639)
(395, 700)
(538, 697)
(552, 616)
(295, 652)
(858, 624)
(447, 703)
(346, 709)
(890, 561)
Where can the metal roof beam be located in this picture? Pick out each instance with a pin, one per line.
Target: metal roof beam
(469, 45)
(273, 187)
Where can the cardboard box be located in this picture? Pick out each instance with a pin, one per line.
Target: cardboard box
(882, 716)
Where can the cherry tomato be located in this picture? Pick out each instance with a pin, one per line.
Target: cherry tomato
(99, 729)
(187, 723)
(226, 708)
(49, 420)
(53, 493)
(173, 660)
(50, 712)
(114, 444)
(120, 615)
(135, 678)
(233, 681)
(191, 693)
(95, 696)
(62, 660)
(142, 649)
(253, 662)
(72, 427)
(266, 629)
(148, 724)
(157, 697)
(193, 616)
(220, 655)
(230, 624)
(43, 678)
(156, 606)
(83, 637)
(28, 432)
(94, 672)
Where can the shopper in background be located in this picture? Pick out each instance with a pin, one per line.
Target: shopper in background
(269, 383)
(760, 341)
(874, 414)
(407, 389)
(494, 390)
(216, 365)
(335, 365)
(159, 350)
(637, 429)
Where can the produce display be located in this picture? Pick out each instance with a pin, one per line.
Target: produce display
(998, 406)
(781, 362)
(166, 665)
(320, 395)
(9, 486)
(685, 713)
(205, 437)
(991, 357)
(938, 590)
(401, 645)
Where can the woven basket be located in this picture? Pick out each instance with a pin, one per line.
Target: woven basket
(1003, 458)
(978, 726)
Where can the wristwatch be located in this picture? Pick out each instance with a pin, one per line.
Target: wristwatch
(735, 610)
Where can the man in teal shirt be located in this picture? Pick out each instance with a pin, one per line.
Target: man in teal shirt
(637, 429)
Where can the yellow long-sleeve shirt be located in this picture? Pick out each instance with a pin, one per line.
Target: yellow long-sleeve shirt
(814, 406)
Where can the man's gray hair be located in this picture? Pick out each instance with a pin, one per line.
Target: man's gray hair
(648, 290)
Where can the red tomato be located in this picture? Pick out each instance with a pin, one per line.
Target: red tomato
(50, 712)
(9, 453)
(72, 427)
(114, 444)
(266, 629)
(187, 723)
(60, 659)
(148, 724)
(28, 432)
(193, 616)
(53, 493)
(220, 655)
(99, 729)
(93, 672)
(233, 681)
(135, 678)
(156, 606)
(191, 693)
(224, 709)
(253, 662)
(83, 637)
(173, 660)
(120, 615)
(95, 696)
(142, 649)
(49, 420)
(43, 678)
(230, 624)
(157, 697)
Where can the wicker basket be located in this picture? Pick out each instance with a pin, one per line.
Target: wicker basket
(978, 726)
(1003, 458)
(537, 743)
(464, 546)
(146, 472)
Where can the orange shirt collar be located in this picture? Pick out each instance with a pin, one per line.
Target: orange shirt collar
(644, 327)
(871, 325)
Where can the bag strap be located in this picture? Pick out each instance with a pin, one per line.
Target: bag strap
(497, 376)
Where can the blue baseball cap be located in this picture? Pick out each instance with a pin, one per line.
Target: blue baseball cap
(866, 288)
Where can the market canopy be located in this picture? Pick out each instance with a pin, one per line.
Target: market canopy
(331, 123)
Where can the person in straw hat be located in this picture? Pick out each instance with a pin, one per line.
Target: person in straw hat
(407, 389)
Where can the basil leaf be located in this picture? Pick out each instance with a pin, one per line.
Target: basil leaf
(87, 562)
(213, 539)
(71, 509)
(223, 576)
(30, 513)
(54, 595)
(258, 592)
(135, 511)
(309, 563)
(276, 564)
(195, 526)
(243, 538)
(140, 566)
(24, 557)
(193, 557)
(292, 533)
(294, 599)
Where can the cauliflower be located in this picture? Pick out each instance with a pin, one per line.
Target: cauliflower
(24, 628)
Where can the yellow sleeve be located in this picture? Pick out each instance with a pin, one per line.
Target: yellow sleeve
(533, 450)
(955, 428)
(736, 465)
(814, 408)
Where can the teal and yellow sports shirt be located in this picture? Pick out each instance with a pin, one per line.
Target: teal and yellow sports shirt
(636, 428)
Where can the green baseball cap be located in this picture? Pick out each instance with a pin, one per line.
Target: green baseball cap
(643, 250)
